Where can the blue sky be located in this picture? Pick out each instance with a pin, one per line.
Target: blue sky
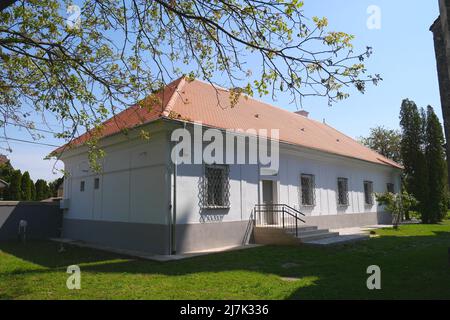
(403, 55)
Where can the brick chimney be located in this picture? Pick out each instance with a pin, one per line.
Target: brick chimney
(303, 113)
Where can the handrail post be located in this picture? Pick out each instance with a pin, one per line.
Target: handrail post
(282, 210)
(296, 226)
(259, 216)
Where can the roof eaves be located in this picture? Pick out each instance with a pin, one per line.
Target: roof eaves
(388, 163)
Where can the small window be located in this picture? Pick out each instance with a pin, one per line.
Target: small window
(82, 185)
(343, 191)
(216, 187)
(368, 192)
(390, 187)
(96, 183)
(308, 190)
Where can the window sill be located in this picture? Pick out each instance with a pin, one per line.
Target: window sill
(216, 207)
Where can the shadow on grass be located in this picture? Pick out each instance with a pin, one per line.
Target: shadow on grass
(46, 253)
(412, 266)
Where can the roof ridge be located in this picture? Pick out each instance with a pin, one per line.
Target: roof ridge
(170, 104)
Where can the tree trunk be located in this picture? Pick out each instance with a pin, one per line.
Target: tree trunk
(441, 40)
(5, 4)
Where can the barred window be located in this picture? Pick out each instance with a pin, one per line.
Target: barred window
(216, 186)
(390, 187)
(97, 183)
(308, 190)
(82, 186)
(368, 192)
(342, 191)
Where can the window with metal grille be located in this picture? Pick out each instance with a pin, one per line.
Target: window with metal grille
(368, 192)
(390, 187)
(216, 186)
(342, 191)
(82, 186)
(308, 190)
(97, 183)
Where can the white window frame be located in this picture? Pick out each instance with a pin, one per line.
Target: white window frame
(225, 202)
(347, 200)
(368, 194)
(312, 191)
(96, 183)
(388, 185)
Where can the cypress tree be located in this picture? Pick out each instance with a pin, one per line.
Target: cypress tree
(412, 150)
(42, 190)
(6, 172)
(436, 167)
(39, 189)
(26, 186)
(33, 191)
(15, 186)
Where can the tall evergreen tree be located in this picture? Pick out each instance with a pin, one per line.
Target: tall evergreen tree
(42, 190)
(412, 150)
(436, 167)
(33, 191)
(26, 187)
(54, 185)
(15, 186)
(6, 171)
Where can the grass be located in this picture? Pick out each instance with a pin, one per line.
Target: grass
(413, 261)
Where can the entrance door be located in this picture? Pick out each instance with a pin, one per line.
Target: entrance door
(267, 199)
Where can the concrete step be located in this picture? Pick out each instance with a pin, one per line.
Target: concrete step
(308, 232)
(301, 229)
(317, 236)
(337, 240)
(273, 234)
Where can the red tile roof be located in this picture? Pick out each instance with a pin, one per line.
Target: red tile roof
(196, 101)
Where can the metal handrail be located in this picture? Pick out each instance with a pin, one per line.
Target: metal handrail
(290, 217)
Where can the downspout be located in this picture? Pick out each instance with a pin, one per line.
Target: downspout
(173, 239)
(173, 205)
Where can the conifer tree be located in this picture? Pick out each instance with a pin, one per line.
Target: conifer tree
(33, 191)
(42, 190)
(6, 172)
(26, 187)
(436, 205)
(412, 150)
(15, 186)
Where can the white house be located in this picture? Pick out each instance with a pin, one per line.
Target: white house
(144, 201)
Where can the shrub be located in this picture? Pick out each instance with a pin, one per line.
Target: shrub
(397, 203)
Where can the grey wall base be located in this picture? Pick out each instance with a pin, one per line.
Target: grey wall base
(154, 238)
(349, 220)
(142, 237)
(204, 236)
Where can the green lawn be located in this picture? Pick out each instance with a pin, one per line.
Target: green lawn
(413, 261)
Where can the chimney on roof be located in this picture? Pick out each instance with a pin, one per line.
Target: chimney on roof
(303, 113)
